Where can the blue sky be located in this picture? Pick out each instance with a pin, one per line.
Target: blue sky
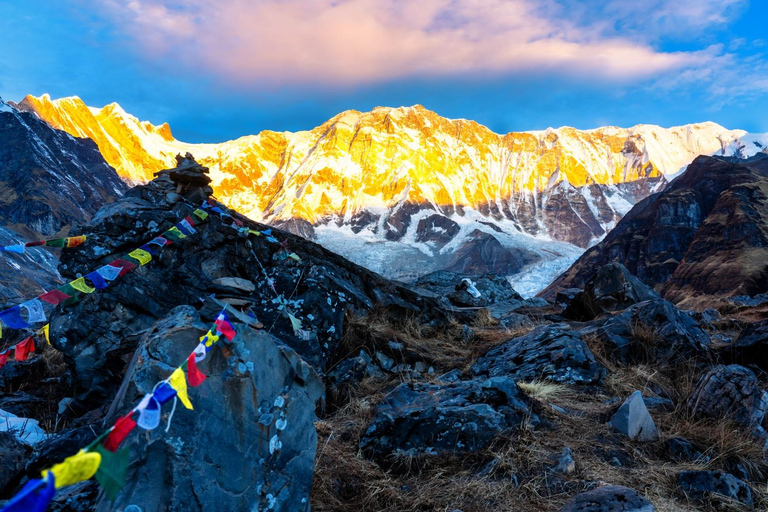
(219, 70)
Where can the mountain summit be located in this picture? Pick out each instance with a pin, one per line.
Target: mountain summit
(407, 175)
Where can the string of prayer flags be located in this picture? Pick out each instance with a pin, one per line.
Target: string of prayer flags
(112, 470)
(178, 382)
(194, 376)
(24, 348)
(122, 428)
(77, 468)
(33, 497)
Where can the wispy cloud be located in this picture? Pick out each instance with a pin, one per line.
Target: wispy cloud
(351, 42)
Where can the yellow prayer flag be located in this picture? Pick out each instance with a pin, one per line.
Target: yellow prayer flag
(46, 331)
(74, 241)
(200, 214)
(254, 232)
(80, 285)
(211, 339)
(176, 231)
(76, 468)
(178, 381)
(141, 256)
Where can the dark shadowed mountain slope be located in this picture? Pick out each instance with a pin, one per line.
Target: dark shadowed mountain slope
(702, 239)
(49, 181)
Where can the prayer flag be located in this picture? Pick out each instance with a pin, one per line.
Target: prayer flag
(164, 393)
(209, 340)
(185, 227)
(175, 233)
(189, 220)
(98, 281)
(35, 244)
(141, 256)
(73, 295)
(4, 357)
(55, 297)
(272, 239)
(35, 311)
(294, 256)
(12, 318)
(33, 497)
(110, 272)
(74, 241)
(194, 376)
(112, 470)
(47, 333)
(56, 242)
(77, 468)
(254, 232)
(23, 348)
(126, 266)
(200, 214)
(179, 382)
(159, 241)
(15, 248)
(80, 285)
(225, 328)
(122, 428)
(148, 249)
(149, 413)
(200, 352)
(295, 323)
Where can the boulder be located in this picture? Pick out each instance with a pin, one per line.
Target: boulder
(751, 347)
(706, 484)
(555, 352)
(634, 421)
(482, 253)
(249, 443)
(682, 450)
(610, 498)
(652, 331)
(13, 457)
(492, 288)
(449, 417)
(612, 288)
(732, 392)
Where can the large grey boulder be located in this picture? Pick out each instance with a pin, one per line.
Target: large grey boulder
(634, 421)
(610, 498)
(612, 288)
(555, 352)
(651, 331)
(733, 392)
(453, 417)
(705, 484)
(250, 442)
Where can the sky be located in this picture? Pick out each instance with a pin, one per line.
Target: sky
(217, 70)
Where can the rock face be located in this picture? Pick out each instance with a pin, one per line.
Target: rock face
(634, 421)
(250, 442)
(483, 253)
(704, 484)
(452, 285)
(97, 334)
(610, 498)
(653, 330)
(704, 238)
(553, 352)
(732, 392)
(612, 288)
(455, 417)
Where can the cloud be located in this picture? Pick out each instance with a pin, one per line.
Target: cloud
(353, 42)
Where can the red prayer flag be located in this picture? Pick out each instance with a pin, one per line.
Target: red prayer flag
(122, 428)
(225, 328)
(194, 376)
(34, 244)
(55, 297)
(189, 219)
(4, 357)
(23, 348)
(125, 264)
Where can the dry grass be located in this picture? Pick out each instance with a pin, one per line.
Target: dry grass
(544, 390)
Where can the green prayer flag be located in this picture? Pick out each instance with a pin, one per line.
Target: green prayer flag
(113, 470)
(58, 242)
(72, 292)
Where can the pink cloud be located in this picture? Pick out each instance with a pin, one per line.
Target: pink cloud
(349, 42)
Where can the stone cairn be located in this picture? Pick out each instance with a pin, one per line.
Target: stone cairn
(190, 178)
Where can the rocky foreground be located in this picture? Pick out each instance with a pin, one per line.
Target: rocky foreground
(453, 394)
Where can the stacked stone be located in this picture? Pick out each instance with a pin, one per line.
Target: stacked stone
(190, 178)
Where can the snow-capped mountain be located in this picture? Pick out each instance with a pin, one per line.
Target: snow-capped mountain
(404, 190)
(49, 181)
